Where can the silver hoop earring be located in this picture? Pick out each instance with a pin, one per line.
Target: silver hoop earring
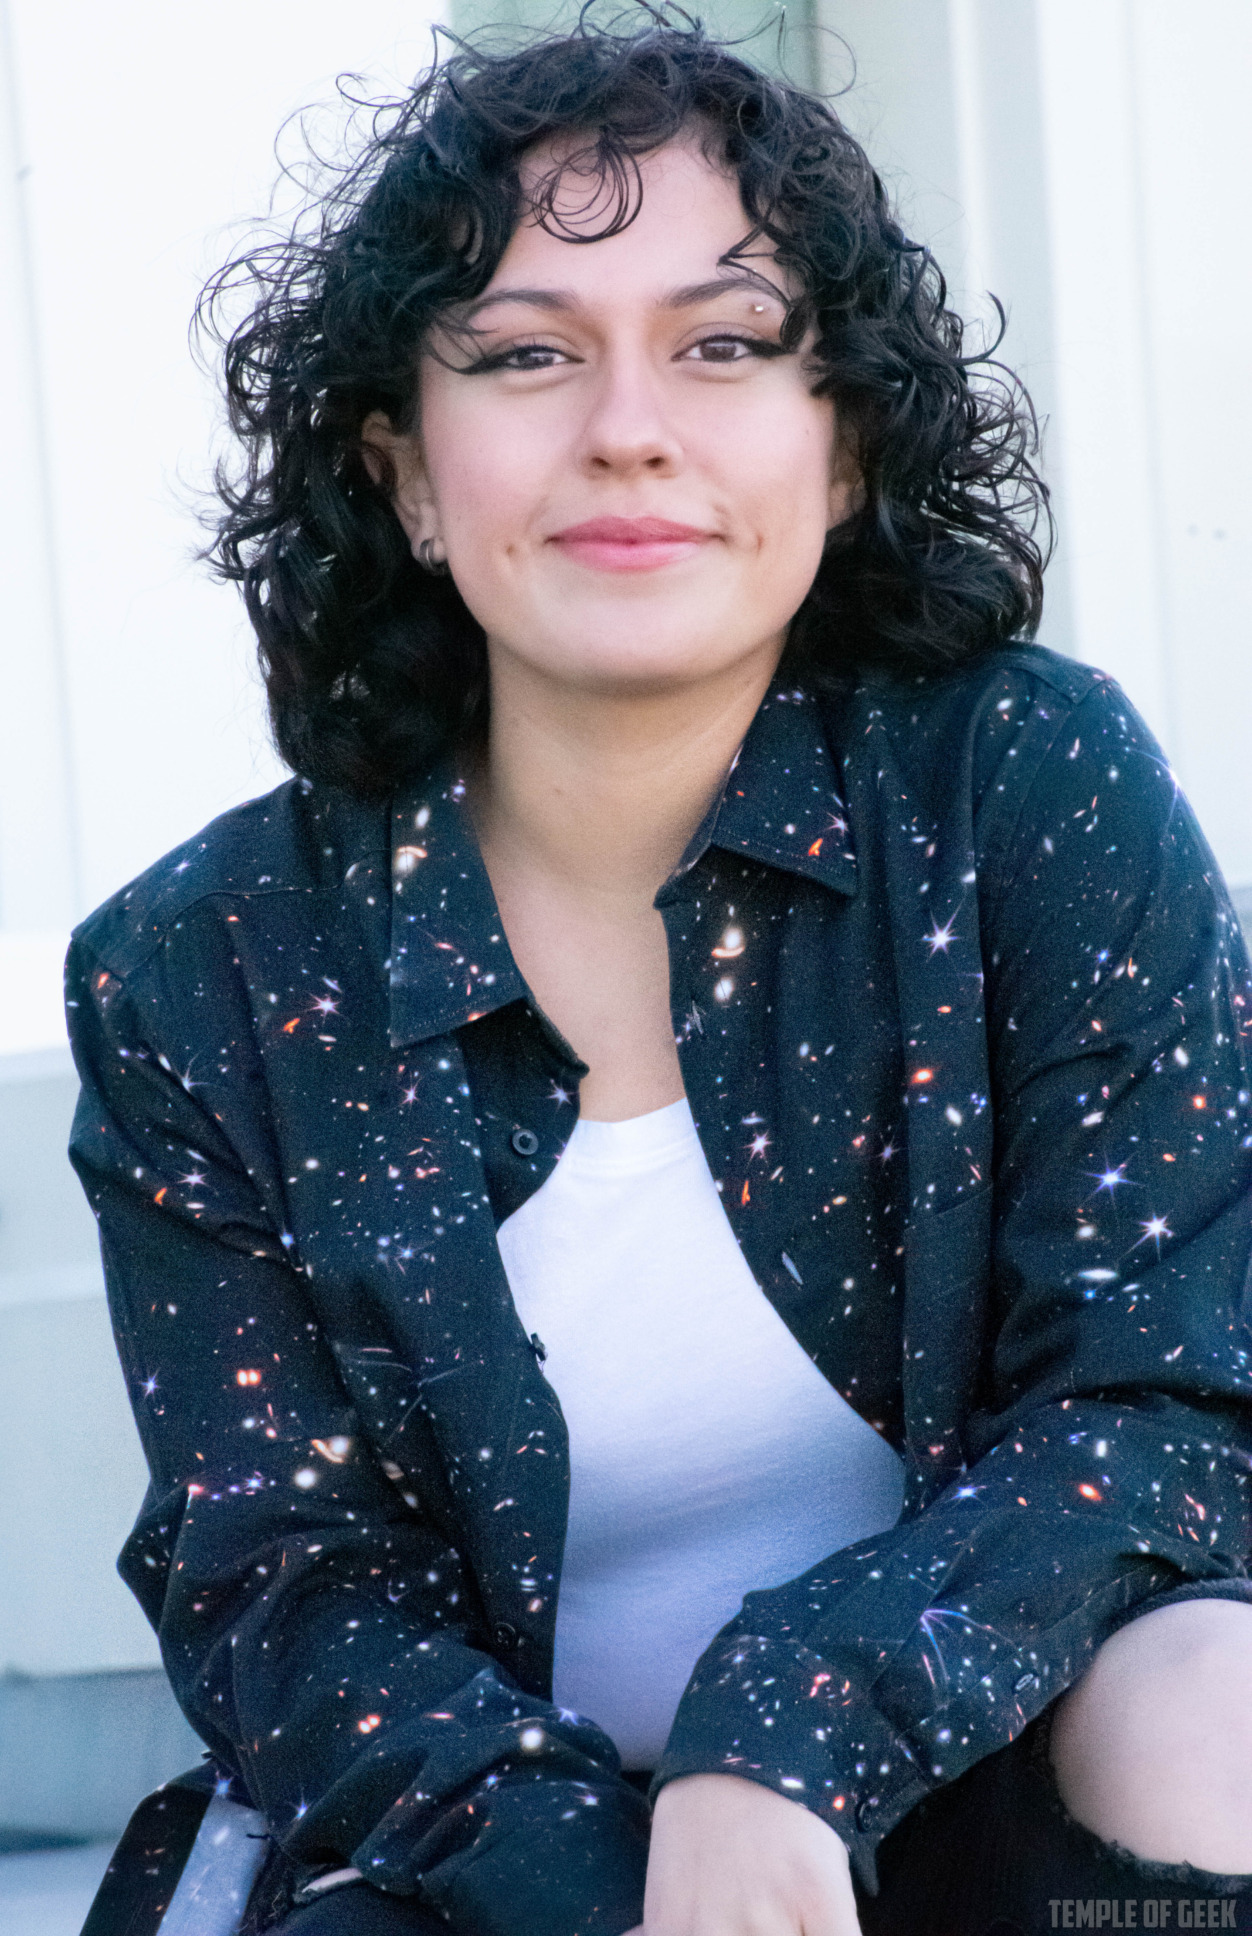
(430, 557)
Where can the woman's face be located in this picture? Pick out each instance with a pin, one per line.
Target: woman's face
(631, 483)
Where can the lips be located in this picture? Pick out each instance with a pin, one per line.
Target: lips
(630, 544)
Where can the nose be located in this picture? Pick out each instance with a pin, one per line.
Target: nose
(628, 428)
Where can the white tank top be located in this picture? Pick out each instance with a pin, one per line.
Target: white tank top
(708, 1455)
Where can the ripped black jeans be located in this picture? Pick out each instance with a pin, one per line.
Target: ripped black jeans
(993, 1854)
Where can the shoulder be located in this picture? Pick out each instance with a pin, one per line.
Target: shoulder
(952, 703)
(974, 739)
(300, 839)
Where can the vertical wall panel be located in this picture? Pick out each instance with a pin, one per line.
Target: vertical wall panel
(1107, 444)
(149, 131)
(133, 136)
(1192, 137)
(946, 99)
(38, 863)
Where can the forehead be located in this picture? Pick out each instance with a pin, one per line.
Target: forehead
(686, 211)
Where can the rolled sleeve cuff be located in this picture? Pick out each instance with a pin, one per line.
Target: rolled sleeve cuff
(781, 1715)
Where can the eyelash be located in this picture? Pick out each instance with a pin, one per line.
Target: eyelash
(501, 359)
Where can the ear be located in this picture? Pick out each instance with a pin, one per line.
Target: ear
(394, 461)
(847, 482)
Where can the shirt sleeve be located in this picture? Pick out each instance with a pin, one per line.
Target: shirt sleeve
(319, 1631)
(1107, 1462)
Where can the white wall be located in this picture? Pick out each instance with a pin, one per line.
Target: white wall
(1088, 160)
(1149, 158)
(132, 137)
(141, 132)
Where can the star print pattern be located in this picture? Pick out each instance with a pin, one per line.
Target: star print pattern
(962, 1012)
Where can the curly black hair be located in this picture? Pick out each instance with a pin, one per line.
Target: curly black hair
(371, 664)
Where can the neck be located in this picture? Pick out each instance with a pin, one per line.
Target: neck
(604, 791)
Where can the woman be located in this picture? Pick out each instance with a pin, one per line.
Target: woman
(676, 1204)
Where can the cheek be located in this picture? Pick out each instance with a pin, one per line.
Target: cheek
(789, 480)
(481, 471)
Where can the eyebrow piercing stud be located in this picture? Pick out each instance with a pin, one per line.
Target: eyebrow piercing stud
(758, 309)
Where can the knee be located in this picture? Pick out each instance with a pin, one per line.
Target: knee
(1153, 1746)
(1200, 1648)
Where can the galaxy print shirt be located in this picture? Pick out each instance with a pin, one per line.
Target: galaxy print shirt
(963, 1014)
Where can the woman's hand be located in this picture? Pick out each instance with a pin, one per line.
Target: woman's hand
(730, 1857)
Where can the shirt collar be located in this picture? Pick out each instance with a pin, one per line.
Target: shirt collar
(781, 803)
(450, 961)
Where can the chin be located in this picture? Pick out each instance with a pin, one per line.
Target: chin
(649, 645)
(631, 666)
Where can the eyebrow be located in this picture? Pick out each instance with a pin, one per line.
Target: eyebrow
(563, 300)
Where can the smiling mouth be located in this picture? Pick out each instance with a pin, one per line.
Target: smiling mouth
(630, 544)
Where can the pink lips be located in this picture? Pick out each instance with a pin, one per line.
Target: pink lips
(630, 544)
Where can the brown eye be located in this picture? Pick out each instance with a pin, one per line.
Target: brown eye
(518, 357)
(725, 347)
(722, 349)
(529, 356)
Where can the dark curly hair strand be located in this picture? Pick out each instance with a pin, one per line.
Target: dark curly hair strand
(371, 664)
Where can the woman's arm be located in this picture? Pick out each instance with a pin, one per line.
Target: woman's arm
(1108, 1455)
(319, 1631)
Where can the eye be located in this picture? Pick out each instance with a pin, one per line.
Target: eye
(523, 356)
(725, 347)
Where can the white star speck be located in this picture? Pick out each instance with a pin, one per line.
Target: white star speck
(1154, 1228)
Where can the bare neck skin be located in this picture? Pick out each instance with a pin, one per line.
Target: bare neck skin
(584, 806)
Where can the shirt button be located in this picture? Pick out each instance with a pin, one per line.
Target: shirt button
(524, 1141)
(505, 1635)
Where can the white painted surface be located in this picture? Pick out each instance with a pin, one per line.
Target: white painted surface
(1088, 161)
(143, 132)
(38, 861)
(133, 139)
(49, 1895)
(1193, 148)
(945, 96)
(74, 1477)
(32, 1015)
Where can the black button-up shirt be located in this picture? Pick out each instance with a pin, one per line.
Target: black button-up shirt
(962, 1012)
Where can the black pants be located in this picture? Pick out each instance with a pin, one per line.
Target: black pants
(993, 1854)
